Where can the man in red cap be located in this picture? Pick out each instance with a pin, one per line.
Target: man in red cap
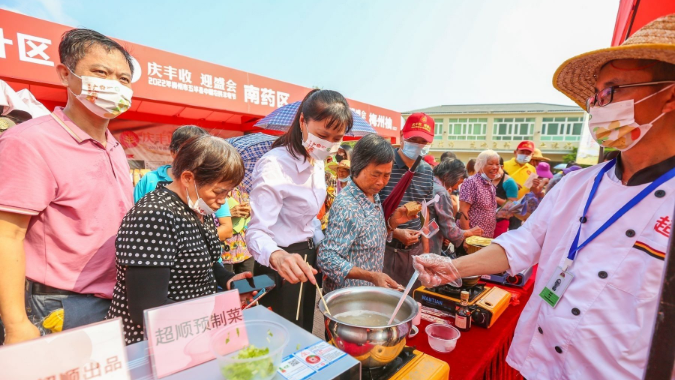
(416, 137)
(431, 160)
(519, 167)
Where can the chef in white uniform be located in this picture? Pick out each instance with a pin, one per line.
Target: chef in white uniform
(601, 234)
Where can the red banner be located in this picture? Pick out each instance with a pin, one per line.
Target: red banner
(634, 14)
(189, 88)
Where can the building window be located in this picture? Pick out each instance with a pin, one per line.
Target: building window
(438, 130)
(513, 129)
(467, 129)
(561, 128)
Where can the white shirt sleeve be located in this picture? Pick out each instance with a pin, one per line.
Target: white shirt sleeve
(523, 245)
(266, 202)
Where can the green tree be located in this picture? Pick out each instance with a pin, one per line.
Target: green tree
(570, 157)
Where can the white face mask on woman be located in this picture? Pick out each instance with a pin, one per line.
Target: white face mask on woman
(318, 148)
(198, 206)
(104, 97)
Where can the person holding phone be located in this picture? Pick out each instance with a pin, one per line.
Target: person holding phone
(167, 247)
(288, 191)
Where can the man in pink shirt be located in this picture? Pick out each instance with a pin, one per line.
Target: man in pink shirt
(66, 188)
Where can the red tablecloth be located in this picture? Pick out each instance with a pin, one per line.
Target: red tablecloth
(481, 353)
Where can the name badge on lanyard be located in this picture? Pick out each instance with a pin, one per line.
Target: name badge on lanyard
(558, 284)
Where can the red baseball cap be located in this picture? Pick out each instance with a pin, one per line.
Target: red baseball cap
(429, 159)
(419, 125)
(526, 145)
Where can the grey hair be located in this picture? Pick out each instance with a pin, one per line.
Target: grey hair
(483, 158)
(450, 171)
(370, 149)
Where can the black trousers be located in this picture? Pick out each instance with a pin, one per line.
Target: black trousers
(283, 299)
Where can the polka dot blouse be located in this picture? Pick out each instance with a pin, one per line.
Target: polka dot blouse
(162, 231)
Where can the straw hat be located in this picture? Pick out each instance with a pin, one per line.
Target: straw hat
(537, 156)
(576, 76)
(344, 164)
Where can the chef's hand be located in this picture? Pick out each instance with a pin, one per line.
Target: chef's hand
(400, 216)
(292, 267)
(245, 298)
(407, 237)
(383, 280)
(476, 231)
(241, 211)
(17, 333)
(436, 270)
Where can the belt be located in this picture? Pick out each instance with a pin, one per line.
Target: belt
(398, 245)
(301, 246)
(42, 289)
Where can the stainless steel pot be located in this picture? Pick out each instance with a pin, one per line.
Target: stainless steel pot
(372, 346)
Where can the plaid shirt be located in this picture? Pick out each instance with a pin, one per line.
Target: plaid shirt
(251, 148)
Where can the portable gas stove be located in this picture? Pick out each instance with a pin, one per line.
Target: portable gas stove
(518, 280)
(409, 365)
(485, 302)
(446, 297)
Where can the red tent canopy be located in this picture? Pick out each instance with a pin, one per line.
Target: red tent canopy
(634, 14)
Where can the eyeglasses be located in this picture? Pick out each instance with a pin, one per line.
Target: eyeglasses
(606, 96)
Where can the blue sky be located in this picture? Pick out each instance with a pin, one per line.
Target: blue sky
(401, 55)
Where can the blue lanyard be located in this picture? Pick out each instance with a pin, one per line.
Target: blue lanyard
(575, 248)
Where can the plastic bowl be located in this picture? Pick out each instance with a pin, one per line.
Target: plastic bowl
(442, 337)
(261, 334)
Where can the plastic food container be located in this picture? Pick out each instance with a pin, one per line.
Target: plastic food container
(442, 337)
(262, 335)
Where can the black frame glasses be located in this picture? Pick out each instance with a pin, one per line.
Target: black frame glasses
(606, 96)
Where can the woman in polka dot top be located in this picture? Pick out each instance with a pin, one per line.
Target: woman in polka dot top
(167, 245)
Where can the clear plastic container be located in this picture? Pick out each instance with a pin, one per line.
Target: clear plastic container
(261, 334)
(442, 337)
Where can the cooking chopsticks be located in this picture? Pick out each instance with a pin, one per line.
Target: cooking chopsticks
(297, 314)
(318, 289)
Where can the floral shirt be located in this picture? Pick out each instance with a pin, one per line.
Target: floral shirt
(234, 248)
(356, 236)
(481, 195)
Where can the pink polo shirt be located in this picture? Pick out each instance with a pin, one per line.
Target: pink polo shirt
(76, 191)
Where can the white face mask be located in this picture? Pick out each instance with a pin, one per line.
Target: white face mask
(614, 126)
(318, 148)
(199, 205)
(523, 158)
(343, 179)
(104, 97)
(413, 150)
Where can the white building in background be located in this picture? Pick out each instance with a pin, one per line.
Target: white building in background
(466, 130)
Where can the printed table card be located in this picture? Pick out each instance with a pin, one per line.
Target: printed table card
(179, 335)
(95, 351)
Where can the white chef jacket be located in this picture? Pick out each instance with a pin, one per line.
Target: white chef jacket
(286, 196)
(602, 326)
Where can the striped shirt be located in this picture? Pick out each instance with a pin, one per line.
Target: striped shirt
(420, 189)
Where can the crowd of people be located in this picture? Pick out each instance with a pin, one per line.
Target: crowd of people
(79, 244)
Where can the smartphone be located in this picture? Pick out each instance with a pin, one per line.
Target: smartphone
(248, 285)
